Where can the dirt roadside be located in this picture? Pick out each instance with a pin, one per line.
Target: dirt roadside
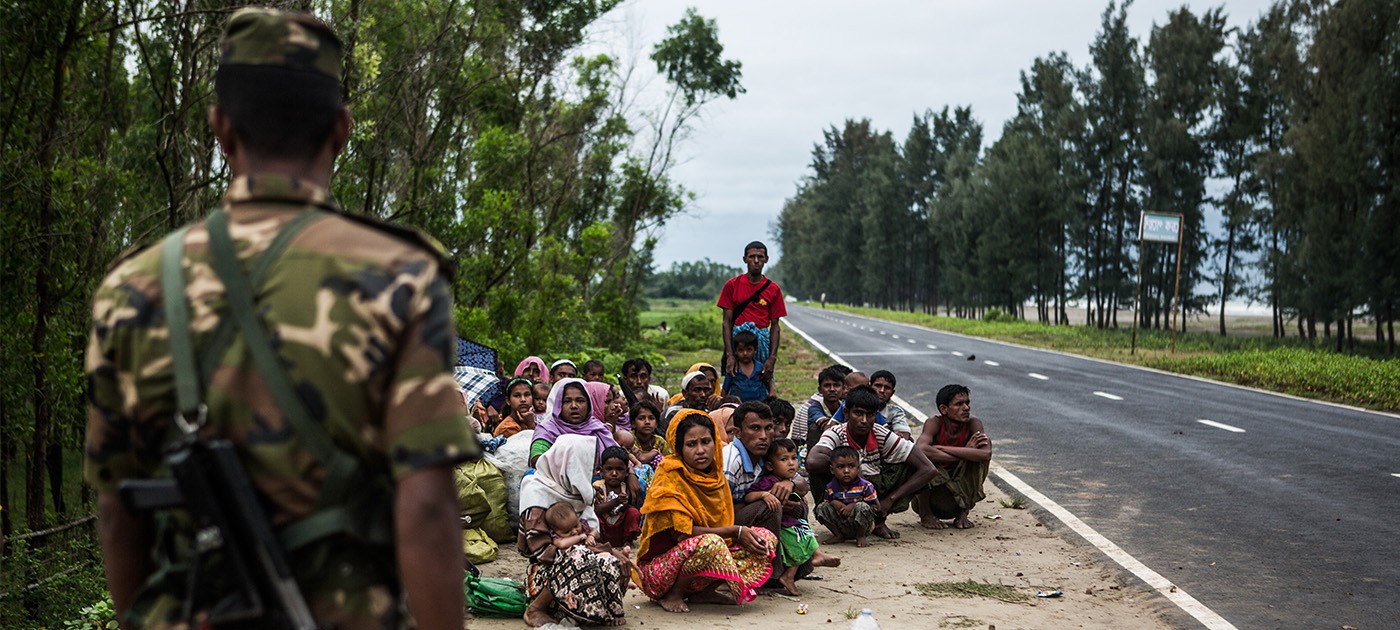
(1015, 550)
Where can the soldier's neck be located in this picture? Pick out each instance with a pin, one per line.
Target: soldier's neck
(316, 171)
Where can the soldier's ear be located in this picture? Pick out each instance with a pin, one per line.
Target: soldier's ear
(340, 134)
(222, 126)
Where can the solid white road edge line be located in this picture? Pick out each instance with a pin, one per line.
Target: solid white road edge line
(1220, 425)
(1143, 368)
(1209, 618)
(1040, 377)
(1108, 396)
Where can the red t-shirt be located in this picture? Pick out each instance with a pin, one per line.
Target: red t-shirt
(768, 307)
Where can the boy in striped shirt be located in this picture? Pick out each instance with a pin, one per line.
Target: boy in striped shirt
(852, 504)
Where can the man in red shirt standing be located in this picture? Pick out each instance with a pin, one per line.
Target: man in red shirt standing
(754, 303)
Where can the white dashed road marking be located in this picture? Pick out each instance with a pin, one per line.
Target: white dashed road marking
(1039, 377)
(992, 363)
(1108, 396)
(894, 336)
(1220, 425)
(912, 341)
(957, 354)
(932, 347)
(1395, 474)
(883, 332)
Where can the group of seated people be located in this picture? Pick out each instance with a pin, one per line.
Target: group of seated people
(704, 497)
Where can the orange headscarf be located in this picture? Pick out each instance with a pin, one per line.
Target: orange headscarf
(680, 498)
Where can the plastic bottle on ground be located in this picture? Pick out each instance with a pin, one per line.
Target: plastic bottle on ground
(866, 621)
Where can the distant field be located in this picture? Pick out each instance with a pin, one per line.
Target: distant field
(1290, 365)
(695, 338)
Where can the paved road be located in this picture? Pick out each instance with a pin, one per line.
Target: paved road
(1291, 523)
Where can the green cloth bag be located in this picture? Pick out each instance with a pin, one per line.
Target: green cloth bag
(495, 597)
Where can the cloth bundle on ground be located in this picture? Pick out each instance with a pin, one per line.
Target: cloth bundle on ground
(478, 507)
(484, 475)
(512, 460)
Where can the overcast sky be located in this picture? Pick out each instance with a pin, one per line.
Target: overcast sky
(812, 64)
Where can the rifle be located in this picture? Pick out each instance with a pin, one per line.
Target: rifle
(210, 484)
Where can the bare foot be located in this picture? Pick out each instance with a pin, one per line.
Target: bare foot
(834, 539)
(535, 618)
(882, 530)
(674, 602)
(820, 559)
(962, 522)
(789, 584)
(930, 522)
(861, 541)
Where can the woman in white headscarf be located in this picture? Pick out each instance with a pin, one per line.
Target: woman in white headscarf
(573, 582)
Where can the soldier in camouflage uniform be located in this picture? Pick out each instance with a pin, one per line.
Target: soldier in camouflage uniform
(360, 315)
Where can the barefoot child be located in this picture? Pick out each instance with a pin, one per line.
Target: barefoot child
(851, 505)
(571, 535)
(796, 541)
(619, 521)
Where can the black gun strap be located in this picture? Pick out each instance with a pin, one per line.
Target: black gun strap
(340, 467)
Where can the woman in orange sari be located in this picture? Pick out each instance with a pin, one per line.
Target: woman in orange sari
(690, 547)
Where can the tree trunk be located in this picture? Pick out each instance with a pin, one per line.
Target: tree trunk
(1225, 278)
(43, 285)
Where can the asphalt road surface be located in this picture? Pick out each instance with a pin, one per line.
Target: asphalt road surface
(1271, 511)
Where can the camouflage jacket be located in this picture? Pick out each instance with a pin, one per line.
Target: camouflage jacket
(361, 317)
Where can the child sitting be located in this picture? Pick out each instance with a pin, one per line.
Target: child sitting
(749, 383)
(619, 520)
(571, 535)
(782, 421)
(723, 416)
(796, 542)
(541, 392)
(851, 505)
(520, 407)
(647, 446)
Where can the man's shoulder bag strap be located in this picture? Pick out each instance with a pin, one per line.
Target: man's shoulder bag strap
(743, 306)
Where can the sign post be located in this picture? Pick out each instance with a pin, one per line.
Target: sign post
(1158, 228)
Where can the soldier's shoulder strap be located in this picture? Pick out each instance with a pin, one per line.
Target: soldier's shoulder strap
(411, 235)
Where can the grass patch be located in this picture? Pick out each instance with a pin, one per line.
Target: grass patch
(971, 588)
(695, 338)
(850, 613)
(1016, 503)
(1292, 366)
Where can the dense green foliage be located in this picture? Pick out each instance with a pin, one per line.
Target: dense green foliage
(481, 123)
(1291, 119)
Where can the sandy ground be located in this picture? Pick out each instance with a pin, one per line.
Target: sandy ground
(1015, 550)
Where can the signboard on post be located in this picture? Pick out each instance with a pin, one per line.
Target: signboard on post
(1161, 228)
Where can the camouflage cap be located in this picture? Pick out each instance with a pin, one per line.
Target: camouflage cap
(268, 37)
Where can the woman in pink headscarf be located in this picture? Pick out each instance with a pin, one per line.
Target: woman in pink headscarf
(533, 368)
